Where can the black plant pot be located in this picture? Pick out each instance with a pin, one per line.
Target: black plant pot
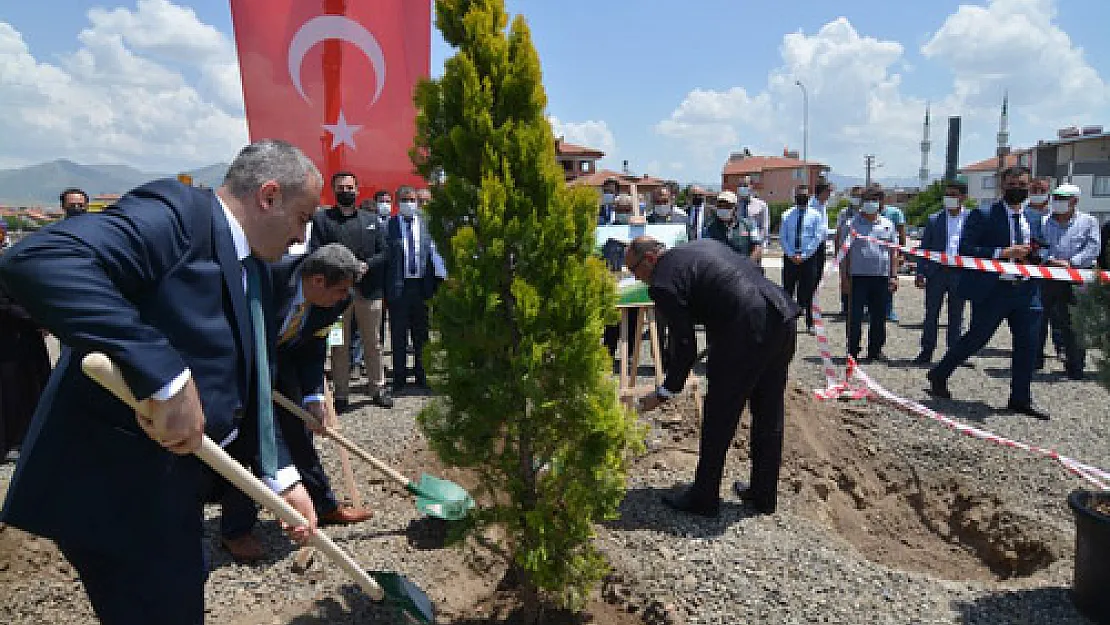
(1091, 588)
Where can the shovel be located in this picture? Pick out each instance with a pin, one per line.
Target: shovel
(387, 586)
(435, 497)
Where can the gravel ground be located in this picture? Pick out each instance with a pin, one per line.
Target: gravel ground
(793, 567)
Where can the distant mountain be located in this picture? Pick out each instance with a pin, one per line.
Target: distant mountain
(40, 184)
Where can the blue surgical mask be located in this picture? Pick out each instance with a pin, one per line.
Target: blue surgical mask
(870, 207)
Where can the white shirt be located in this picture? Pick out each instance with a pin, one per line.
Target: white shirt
(1025, 235)
(954, 227)
(415, 225)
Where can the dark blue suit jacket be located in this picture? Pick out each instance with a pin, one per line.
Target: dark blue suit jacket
(935, 239)
(395, 274)
(300, 361)
(153, 282)
(984, 232)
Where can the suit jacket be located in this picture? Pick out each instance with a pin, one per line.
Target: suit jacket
(155, 283)
(935, 239)
(706, 282)
(695, 221)
(985, 231)
(395, 281)
(300, 361)
(370, 247)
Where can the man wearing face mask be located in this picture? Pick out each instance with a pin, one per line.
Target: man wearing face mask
(415, 271)
(623, 208)
(360, 232)
(663, 210)
(695, 214)
(609, 190)
(843, 226)
(1037, 209)
(732, 229)
(1001, 233)
(1071, 239)
(383, 206)
(803, 235)
(942, 234)
(873, 268)
(74, 202)
(750, 206)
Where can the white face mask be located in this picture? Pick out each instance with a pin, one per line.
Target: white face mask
(407, 209)
(607, 198)
(853, 201)
(662, 209)
(724, 214)
(1039, 198)
(743, 191)
(870, 207)
(1059, 207)
(951, 202)
(385, 208)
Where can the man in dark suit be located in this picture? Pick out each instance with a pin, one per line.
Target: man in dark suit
(1003, 233)
(362, 233)
(169, 284)
(310, 292)
(750, 326)
(942, 234)
(415, 269)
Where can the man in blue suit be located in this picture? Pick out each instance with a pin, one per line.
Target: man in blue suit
(414, 271)
(167, 283)
(310, 292)
(1003, 233)
(942, 234)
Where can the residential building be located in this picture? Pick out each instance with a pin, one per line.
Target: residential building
(576, 160)
(1080, 157)
(982, 183)
(773, 177)
(639, 186)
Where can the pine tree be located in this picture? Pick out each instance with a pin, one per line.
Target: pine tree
(1091, 316)
(526, 399)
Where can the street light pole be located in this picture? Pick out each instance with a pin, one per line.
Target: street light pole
(805, 129)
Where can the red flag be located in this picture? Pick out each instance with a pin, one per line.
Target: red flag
(336, 79)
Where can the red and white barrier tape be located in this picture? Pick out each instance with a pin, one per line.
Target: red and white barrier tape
(834, 387)
(1062, 274)
(1097, 477)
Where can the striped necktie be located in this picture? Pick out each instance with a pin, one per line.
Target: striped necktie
(294, 325)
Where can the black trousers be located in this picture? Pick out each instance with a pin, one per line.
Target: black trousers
(744, 373)
(1057, 298)
(800, 282)
(408, 317)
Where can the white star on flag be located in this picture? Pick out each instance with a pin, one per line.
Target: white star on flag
(342, 132)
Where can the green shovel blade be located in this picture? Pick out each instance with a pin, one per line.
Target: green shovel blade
(439, 498)
(405, 596)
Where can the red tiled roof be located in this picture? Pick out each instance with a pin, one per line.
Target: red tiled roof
(597, 178)
(757, 164)
(562, 148)
(991, 164)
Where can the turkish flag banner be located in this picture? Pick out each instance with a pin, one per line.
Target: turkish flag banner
(336, 79)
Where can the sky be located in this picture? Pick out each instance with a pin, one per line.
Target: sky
(671, 86)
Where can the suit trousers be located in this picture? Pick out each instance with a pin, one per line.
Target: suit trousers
(869, 291)
(800, 282)
(1011, 302)
(1057, 298)
(408, 318)
(939, 286)
(369, 315)
(742, 373)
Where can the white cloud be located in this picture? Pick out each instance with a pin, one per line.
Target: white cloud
(154, 88)
(590, 133)
(859, 102)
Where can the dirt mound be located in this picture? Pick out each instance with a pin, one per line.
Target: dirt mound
(874, 498)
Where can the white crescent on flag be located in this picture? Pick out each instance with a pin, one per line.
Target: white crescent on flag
(325, 27)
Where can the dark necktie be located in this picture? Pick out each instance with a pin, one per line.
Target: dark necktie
(267, 443)
(694, 223)
(1019, 238)
(411, 245)
(744, 209)
(798, 229)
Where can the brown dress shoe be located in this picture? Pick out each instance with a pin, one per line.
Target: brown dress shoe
(245, 549)
(345, 515)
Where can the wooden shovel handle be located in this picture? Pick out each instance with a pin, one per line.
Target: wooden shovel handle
(345, 442)
(101, 369)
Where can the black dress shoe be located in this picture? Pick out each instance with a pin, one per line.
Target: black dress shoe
(1075, 374)
(875, 357)
(383, 398)
(341, 404)
(762, 504)
(1027, 409)
(923, 359)
(938, 388)
(685, 501)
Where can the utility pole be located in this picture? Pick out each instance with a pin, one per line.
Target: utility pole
(869, 164)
